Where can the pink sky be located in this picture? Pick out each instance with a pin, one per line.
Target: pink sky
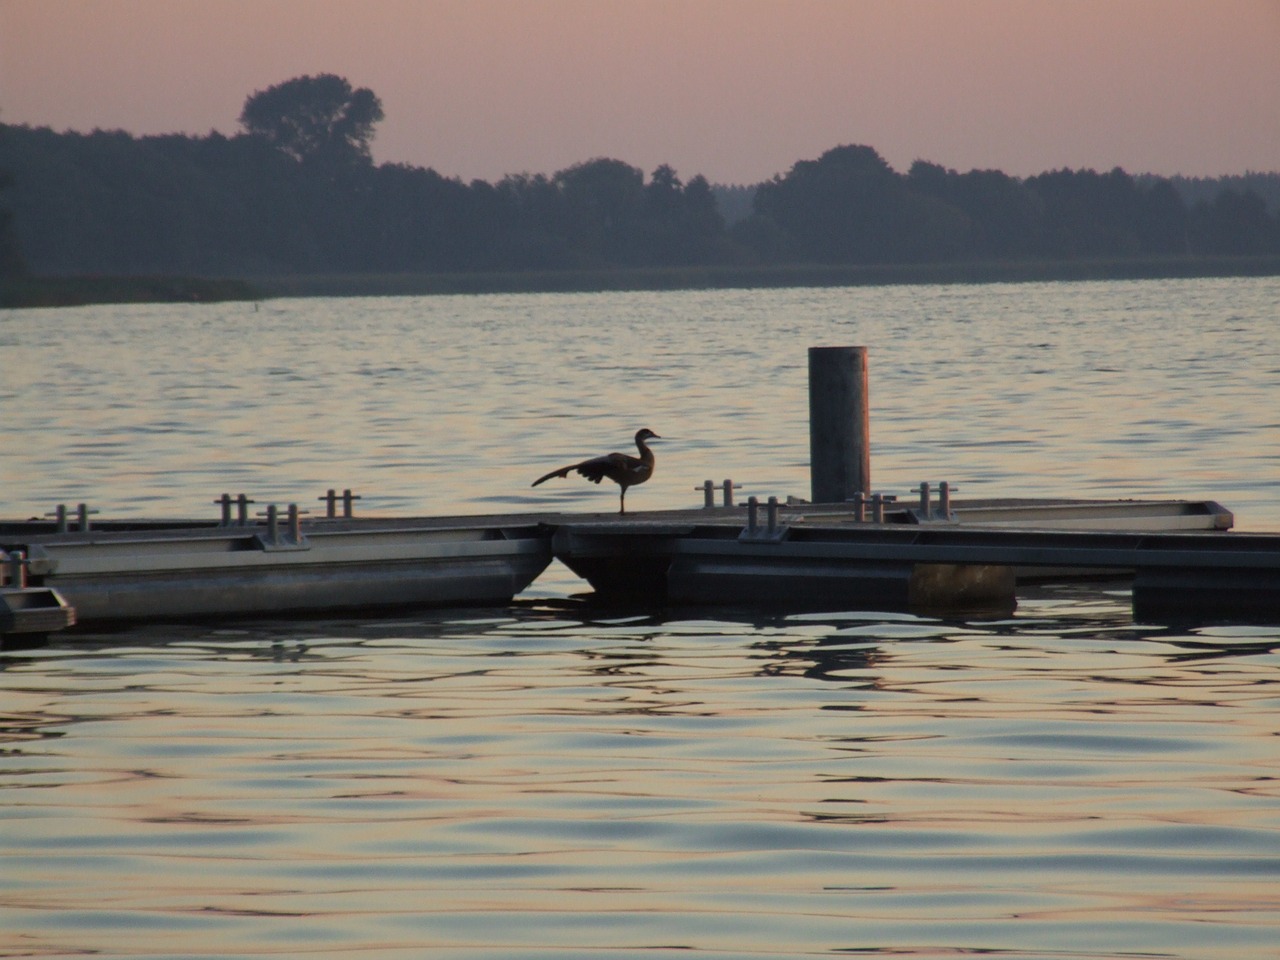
(737, 90)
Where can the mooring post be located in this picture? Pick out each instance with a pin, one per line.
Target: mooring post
(347, 499)
(330, 500)
(708, 494)
(839, 424)
(925, 506)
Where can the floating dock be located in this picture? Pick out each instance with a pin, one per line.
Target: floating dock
(1182, 562)
(847, 550)
(942, 558)
(188, 570)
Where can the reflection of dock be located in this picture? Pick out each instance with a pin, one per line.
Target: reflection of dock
(967, 558)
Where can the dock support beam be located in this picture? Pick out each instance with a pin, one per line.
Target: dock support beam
(839, 424)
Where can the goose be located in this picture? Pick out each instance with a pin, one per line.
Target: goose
(622, 468)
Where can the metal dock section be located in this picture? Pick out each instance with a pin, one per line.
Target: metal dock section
(129, 572)
(882, 554)
(1182, 562)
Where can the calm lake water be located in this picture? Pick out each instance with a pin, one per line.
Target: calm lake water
(547, 780)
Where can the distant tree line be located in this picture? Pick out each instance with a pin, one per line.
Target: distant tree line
(297, 192)
(11, 262)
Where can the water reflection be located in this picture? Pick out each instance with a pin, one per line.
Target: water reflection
(553, 780)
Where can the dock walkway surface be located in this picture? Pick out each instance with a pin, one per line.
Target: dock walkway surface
(961, 557)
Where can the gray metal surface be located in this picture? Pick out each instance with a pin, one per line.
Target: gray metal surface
(811, 553)
(221, 572)
(825, 561)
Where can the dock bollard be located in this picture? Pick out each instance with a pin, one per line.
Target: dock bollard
(82, 517)
(242, 509)
(330, 500)
(860, 507)
(925, 504)
(772, 512)
(273, 524)
(295, 524)
(709, 493)
(753, 515)
(877, 507)
(944, 500)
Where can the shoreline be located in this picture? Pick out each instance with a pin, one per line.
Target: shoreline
(26, 292)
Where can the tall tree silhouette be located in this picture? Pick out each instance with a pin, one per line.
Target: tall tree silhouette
(319, 119)
(848, 206)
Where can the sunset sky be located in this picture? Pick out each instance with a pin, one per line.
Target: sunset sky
(737, 90)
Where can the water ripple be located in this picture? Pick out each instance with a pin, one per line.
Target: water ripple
(543, 781)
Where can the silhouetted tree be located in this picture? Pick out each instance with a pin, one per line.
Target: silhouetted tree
(681, 224)
(1192, 190)
(11, 263)
(1234, 223)
(417, 220)
(849, 206)
(315, 119)
(1162, 218)
(700, 226)
(533, 231)
(1001, 212)
(1087, 214)
(734, 201)
(110, 203)
(603, 202)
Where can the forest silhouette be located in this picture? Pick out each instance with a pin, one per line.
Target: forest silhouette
(297, 193)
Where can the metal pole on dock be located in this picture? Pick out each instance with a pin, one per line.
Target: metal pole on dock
(839, 424)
